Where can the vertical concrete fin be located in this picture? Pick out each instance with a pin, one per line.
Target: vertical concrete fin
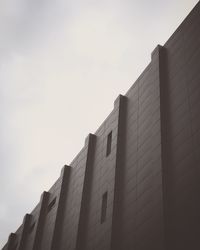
(65, 173)
(120, 104)
(41, 218)
(158, 58)
(11, 242)
(25, 225)
(90, 142)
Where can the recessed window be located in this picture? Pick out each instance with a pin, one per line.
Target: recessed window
(51, 205)
(31, 227)
(109, 143)
(104, 207)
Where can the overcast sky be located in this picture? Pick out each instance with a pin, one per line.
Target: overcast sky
(62, 65)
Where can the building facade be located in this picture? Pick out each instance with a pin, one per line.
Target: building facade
(135, 184)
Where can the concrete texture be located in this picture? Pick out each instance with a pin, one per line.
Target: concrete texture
(149, 171)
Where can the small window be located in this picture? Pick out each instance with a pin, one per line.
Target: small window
(51, 204)
(31, 227)
(109, 142)
(104, 207)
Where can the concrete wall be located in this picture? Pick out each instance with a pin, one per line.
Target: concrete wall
(142, 192)
(181, 134)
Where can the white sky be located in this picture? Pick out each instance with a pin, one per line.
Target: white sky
(62, 65)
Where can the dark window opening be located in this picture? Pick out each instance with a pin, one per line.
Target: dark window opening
(51, 205)
(104, 207)
(31, 227)
(109, 142)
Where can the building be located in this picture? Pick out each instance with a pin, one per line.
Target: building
(135, 184)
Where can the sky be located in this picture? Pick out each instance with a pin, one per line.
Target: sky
(62, 65)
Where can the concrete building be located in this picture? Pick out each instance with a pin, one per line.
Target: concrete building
(135, 185)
